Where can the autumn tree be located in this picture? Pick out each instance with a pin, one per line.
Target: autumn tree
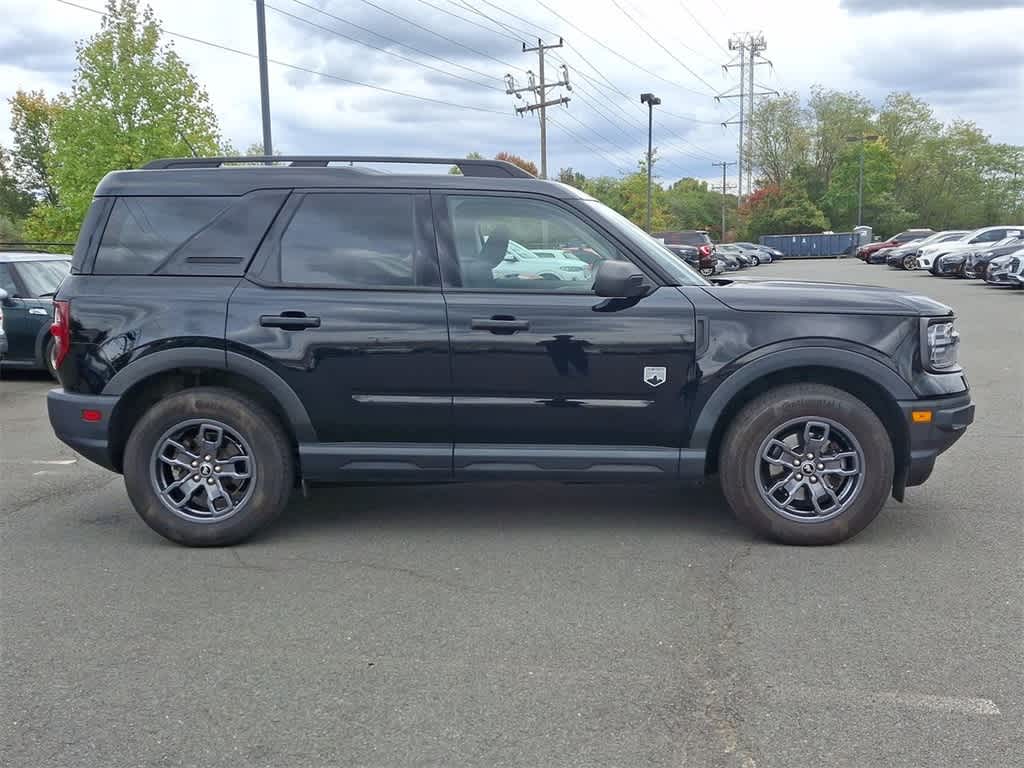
(132, 99)
(527, 165)
(32, 119)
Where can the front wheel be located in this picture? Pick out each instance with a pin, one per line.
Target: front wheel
(50, 358)
(757, 260)
(910, 262)
(806, 464)
(707, 271)
(208, 467)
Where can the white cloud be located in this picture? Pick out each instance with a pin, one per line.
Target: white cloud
(837, 43)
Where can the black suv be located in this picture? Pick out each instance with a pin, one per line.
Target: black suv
(228, 334)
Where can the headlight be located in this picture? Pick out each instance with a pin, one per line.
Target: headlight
(941, 344)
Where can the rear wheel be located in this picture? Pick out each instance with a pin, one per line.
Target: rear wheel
(807, 464)
(50, 357)
(707, 271)
(756, 259)
(208, 467)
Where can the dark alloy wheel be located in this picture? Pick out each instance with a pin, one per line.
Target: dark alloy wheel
(208, 466)
(910, 262)
(810, 469)
(202, 470)
(806, 464)
(707, 271)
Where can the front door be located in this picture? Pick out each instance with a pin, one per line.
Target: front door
(549, 379)
(344, 303)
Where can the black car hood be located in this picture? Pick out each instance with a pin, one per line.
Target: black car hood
(834, 298)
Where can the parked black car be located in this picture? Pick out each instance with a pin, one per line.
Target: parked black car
(905, 256)
(30, 281)
(977, 261)
(228, 334)
(704, 263)
(949, 265)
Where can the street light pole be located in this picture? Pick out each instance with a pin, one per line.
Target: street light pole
(650, 100)
(261, 47)
(860, 177)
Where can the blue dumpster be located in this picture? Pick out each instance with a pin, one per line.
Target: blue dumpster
(810, 246)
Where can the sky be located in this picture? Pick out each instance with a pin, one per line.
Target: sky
(966, 57)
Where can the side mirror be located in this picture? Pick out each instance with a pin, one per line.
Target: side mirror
(620, 280)
(4, 296)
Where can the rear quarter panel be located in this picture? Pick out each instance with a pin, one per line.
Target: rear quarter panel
(116, 320)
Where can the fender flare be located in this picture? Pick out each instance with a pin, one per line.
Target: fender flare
(218, 359)
(800, 357)
(42, 336)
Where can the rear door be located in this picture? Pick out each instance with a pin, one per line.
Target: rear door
(549, 379)
(344, 303)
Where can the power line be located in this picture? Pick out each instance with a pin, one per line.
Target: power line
(615, 53)
(453, 41)
(456, 16)
(660, 24)
(587, 144)
(377, 48)
(703, 29)
(393, 40)
(298, 68)
(520, 18)
(658, 43)
(520, 34)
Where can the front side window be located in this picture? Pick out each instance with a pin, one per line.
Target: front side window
(142, 233)
(511, 243)
(351, 240)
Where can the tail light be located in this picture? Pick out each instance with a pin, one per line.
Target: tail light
(705, 250)
(61, 331)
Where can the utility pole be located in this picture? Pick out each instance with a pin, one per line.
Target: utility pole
(651, 101)
(261, 46)
(540, 91)
(748, 49)
(724, 165)
(860, 176)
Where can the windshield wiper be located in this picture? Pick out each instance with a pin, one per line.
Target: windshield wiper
(45, 295)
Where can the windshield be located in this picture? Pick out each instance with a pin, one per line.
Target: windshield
(43, 278)
(681, 273)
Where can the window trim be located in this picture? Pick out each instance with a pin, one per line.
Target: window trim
(451, 273)
(265, 267)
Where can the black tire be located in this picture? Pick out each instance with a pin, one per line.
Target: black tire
(273, 469)
(740, 462)
(757, 260)
(707, 271)
(909, 262)
(49, 357)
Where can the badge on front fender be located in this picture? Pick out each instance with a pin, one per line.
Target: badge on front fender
(655, 375)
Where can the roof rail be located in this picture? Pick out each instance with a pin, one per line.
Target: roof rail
(487, 168)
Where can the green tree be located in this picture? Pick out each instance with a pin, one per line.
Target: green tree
(691, 204)
(782, 140)
(454, 170)
(14, 203)
(133, 99)
(880, 168)
(834, 116)
(572, 177)
(32, 120)
(782, 210)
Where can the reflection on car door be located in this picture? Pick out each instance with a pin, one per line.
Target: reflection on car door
(549, 379)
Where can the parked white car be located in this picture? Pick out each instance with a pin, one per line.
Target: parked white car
(927, 255)
(548, 264)
(1007, 270)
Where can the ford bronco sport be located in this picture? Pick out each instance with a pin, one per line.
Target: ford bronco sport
(229, 334)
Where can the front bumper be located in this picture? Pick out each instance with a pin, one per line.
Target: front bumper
(89, 438)
(950, 417)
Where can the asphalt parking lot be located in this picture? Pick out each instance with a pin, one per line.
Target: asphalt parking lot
(544, 625)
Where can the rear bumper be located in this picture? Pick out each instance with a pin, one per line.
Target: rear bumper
(949, 421)
(89, 438)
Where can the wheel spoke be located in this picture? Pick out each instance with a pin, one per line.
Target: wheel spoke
(180, 449)
(816, 436)
(176, 462)
(214, 492)
(779, 446)
(230, 469)
(186, 485)
(816, 490)
(210, 438)
(836, 464)
(790, 485)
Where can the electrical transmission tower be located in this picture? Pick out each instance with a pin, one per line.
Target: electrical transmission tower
(539, 89)
(725, 188)
(748, 57)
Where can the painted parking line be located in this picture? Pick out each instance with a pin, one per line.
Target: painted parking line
(957, 705)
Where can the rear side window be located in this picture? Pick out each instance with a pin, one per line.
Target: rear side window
(351, 240)
(144, 232)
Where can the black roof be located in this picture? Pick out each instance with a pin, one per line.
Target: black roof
(208, 176)
(7, 257)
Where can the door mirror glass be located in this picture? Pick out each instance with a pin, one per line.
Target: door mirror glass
(620, 280)
(3, 296)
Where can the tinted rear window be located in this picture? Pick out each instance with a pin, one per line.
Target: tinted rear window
(351, 240)
(143, 232)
